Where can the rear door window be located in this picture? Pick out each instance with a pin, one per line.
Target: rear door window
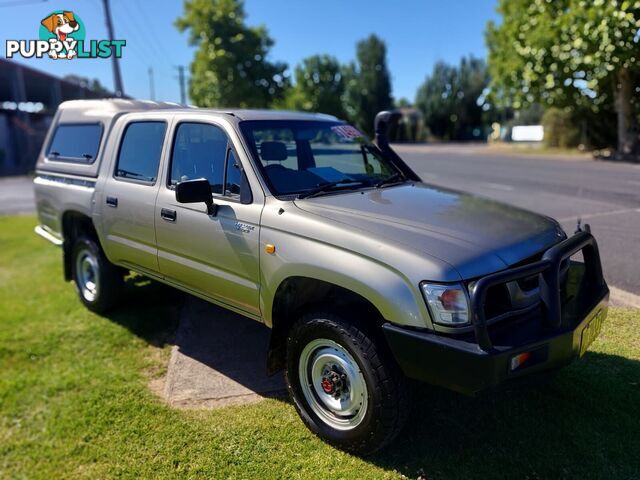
(140, 151)
(75, 143)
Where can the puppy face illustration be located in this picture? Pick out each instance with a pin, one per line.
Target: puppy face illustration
(61, 24)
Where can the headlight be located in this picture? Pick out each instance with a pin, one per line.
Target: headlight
(448, 304)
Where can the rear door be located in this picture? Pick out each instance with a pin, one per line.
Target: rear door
(216, 256)
(129, 194)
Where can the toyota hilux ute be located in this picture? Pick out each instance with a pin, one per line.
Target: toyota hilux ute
(366, 275)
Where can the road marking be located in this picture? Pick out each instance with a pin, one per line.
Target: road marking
(625, 298)
(587, 216)
(499, 186)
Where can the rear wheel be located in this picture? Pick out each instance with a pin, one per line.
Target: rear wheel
(98, 282)
(344, 385)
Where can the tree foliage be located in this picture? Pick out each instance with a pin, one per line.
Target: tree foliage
(451, 99)
(230, 67)
(559, 128)
(368, 83)
(319, 86)
(573, 54)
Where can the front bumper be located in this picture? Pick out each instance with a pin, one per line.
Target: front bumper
(566, 322)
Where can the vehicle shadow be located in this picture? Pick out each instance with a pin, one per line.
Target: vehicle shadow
(218, 355)
(149, 310)
(583, 422)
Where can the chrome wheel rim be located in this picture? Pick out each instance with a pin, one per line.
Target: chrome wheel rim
(87, 275)
(333, 384)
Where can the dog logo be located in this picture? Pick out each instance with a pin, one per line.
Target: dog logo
(62, 36)
(62, 25)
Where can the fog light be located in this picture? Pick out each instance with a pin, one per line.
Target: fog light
(519, 360)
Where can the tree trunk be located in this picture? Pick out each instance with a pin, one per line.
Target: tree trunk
(626, 138)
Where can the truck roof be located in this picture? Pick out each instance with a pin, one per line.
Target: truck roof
(115, 106)
(106, 111)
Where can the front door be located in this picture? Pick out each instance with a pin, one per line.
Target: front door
(216, 256)
(129, 196)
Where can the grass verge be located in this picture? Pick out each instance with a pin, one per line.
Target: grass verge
(541, 151)
(75, 402)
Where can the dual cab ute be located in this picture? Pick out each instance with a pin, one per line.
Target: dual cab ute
(366, 275)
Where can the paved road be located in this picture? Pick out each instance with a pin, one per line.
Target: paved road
(604, 194)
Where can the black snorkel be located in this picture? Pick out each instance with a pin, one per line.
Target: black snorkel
(381, 127)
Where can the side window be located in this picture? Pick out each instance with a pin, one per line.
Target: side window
(234, 176)
(140, 150)
(75, 142)
(199, 151)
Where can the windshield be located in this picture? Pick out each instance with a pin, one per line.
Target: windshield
(299, 156)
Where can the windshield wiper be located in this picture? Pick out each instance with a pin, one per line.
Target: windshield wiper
(396, 177)
(325, 187)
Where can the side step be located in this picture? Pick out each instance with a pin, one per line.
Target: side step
(47, 235)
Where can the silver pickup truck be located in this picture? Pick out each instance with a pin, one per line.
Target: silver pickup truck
(366, 276)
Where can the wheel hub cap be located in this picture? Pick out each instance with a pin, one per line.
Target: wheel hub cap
(87, 275)
(333, 384)
(327, 386)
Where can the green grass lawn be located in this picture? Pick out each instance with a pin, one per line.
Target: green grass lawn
(75, 401)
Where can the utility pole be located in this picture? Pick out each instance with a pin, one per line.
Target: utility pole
(152, 88)
(181, 79)
(117, 78)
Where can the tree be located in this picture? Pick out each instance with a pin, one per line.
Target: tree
(230, 67)
(576, 55)
(403, 103)
(452, 99)
(368, 84)
(319, 86)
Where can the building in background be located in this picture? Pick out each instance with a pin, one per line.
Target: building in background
(28, 101)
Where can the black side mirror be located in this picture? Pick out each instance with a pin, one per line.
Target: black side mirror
(196, 191)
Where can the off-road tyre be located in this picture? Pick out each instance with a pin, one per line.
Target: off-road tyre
(387, 403)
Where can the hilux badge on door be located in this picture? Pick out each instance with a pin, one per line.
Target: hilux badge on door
(244, 228)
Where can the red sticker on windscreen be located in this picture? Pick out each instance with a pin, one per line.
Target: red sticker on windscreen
(347, 131)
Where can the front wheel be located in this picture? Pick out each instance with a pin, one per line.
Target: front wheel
(98, 282)
(343, 383)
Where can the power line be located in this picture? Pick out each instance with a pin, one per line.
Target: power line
(152, 37)
(151, 50)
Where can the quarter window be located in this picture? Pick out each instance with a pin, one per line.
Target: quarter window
(140, 151)
(76, 143)
(199, 151)
(234, 176)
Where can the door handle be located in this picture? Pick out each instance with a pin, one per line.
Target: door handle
(112, 202)
(168, 215)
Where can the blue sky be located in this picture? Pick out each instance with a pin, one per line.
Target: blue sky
(417, 33)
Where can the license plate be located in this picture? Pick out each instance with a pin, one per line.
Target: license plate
(591, 331)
